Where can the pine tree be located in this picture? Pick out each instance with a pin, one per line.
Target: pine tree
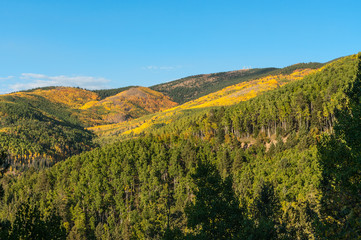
(216, 213)
(340, 159)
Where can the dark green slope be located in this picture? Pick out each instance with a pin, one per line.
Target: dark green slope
(308, 104)
(38, 133)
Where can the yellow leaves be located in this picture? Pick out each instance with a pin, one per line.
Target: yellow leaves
(57, 149)
(151, 92)
(88, 105)
(5, 130)
(88, 108)
(133, 102)
(72, 97)
(227, 96)
(139, 129)
(245, 90)
(66, 226)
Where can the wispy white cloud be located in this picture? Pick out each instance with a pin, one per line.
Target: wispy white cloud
(35, 80)
(32, 75)
(6, 78)
(151, 67)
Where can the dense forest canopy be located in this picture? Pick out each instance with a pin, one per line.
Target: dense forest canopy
(228, 96)
(42, 126)
(37, 133)
(283, 165)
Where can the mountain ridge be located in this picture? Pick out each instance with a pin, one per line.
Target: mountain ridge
(228, 96)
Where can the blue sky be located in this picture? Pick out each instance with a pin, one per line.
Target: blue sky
(110, 44)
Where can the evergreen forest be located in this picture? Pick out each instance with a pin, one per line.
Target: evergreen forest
(282, 164)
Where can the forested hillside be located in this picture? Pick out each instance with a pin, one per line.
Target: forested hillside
(308, 104)
(194, 87)
(42, 126)
(282, 165)
(228, 96)
(35, 132)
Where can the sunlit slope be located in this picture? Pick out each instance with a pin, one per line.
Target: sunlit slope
(34, 131)
(67, 100)
(227, 96)
(104, 93)
(129, 104)
(90, 109)
(71, 97)
(308, 105)
(246, 90)
(193, 87)
(42, 126)
(59, 103)
(86, 108)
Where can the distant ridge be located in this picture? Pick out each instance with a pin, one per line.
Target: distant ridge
(104, 93)
(193, 87)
